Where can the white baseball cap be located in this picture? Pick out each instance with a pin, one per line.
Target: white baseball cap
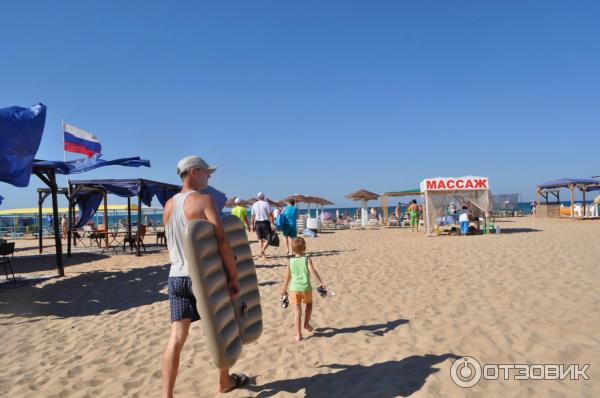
(193, 162)
(237, 201)
(260, 195)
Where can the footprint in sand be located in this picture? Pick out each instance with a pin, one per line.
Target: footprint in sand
(74, 372)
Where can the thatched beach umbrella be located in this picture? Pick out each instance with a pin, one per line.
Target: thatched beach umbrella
(297, 198)
(319, 201)
(364, 196)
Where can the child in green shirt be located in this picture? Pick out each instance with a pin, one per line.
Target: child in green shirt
(300, 290)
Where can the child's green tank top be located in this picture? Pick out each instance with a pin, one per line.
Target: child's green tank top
(300, 275)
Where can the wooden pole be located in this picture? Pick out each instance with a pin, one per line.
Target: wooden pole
(139, 226)
(427, 224)
(584, 205)
(40, 230)
(571, 187)
(105, 219)
(70, 224)
(129, 217)
(57, 240)
(384, 208)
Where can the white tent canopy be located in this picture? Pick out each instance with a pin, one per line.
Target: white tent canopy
(442, 192)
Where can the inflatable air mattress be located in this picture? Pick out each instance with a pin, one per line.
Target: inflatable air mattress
(228, 324)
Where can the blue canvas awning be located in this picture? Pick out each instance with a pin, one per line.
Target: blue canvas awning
(584, 184)
(20, 136)
(88, 193)
(87, 164)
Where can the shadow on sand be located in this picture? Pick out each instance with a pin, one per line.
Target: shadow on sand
(518, 230)
(383, 380)
(329, 252)
(47, 262)
(378, 329)
(88, 293)
(268, 283)
(269, 266)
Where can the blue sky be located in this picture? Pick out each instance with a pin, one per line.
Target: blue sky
(314, 97)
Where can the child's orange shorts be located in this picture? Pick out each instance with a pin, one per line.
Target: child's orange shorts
(300, 297)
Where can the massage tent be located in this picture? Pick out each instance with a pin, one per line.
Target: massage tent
(440, 192)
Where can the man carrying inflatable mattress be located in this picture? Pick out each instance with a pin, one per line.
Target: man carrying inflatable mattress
(183, 209)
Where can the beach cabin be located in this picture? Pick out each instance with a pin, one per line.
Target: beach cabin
(551, 205)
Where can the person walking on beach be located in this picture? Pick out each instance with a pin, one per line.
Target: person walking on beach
(463, 219)
(297, 283)
(262, 222)
(240, 212)
(190, 204)
(533, 206)
(64, 226)
(289, 229)
(413, 212)
(398, 212)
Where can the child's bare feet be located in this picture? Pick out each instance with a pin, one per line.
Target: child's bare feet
(298, 338)
(308, 327)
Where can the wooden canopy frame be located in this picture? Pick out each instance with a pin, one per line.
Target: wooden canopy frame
(384, 200)
(545, 192)
(48, 177)
(97, 186)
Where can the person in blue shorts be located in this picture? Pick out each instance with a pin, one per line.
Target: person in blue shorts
(290, 215)
(463, 218)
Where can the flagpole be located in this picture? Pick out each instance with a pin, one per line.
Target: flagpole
(62, 122)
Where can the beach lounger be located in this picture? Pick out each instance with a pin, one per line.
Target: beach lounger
(373, 223)
(356, 225)
(300, 225)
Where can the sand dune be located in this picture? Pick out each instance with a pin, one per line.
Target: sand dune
(405, 307)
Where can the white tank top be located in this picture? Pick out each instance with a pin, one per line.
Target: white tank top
(175, 229)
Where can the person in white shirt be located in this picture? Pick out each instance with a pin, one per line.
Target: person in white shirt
(262, 222)
(463, 218)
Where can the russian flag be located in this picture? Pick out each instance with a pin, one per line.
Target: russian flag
(80, 141)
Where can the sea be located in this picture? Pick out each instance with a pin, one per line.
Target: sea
(11, 224)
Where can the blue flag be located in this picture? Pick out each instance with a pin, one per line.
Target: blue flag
(20, 136)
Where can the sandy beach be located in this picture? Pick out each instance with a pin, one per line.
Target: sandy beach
(405, 307)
